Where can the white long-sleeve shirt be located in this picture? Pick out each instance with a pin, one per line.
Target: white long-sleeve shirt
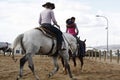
(47, 16)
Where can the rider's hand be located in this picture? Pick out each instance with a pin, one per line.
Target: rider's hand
(58, 26)
(77, 33)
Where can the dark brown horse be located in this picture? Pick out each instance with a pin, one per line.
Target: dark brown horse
(81, 52)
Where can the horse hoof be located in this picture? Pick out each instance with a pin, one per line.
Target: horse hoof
(37, 78)
(18, 78)
(64, 72)
(49, 75)
(73, 79)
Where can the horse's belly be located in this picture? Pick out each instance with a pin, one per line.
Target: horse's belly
(48, 50)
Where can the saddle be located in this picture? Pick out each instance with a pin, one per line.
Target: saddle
(46, 32)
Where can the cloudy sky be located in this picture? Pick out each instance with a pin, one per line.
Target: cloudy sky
(18, 16)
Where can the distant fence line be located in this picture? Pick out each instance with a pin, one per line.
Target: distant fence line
(104, 56)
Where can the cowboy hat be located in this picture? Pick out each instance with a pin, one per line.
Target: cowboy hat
(49, 5)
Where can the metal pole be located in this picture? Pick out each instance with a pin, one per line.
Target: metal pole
(106, 29)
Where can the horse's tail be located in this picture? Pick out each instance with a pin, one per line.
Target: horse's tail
(16, 42)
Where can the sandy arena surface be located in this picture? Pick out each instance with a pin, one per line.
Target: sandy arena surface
(43, 65)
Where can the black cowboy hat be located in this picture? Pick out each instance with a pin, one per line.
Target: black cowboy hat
(49, 5)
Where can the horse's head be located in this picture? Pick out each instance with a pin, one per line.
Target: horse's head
(82, 47)
(85, 40)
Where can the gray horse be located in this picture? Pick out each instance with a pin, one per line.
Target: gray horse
(77, 48)
(36, 42)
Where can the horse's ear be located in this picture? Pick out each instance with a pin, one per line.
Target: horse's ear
(85, 40)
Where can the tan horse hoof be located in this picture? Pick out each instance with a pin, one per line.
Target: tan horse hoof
(73, 79)
(64, 71)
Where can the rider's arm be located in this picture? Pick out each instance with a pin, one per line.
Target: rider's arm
(40, 19)
(54, 20)
(66, 28)
(77, 31)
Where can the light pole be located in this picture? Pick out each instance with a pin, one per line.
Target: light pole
(106, 29)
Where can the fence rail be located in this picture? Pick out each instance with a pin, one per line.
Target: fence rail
(111, 56)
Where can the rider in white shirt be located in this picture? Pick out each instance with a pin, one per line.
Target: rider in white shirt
(46, 17)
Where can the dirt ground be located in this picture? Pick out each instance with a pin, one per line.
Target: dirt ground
(43, 65)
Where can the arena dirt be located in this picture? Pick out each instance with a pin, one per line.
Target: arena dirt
(92, 70)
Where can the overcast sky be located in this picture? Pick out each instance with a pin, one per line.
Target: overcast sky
(18, 16)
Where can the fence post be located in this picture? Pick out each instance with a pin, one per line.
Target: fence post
(95, 55)
(110, 55)
(88, 54)
(118, 56)
(104, 55)
(100, 55)
(92, 54)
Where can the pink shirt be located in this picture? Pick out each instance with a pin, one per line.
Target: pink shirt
(71, 30)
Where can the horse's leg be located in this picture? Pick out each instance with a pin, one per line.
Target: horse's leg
(62, 61)
(10, 54)
(31, 66)
(81, 60)
(80, 56)
(74, 59)
(64, 69)
(22, 62)
(67, 66)
(56, 67)
(4, 52)
(65, 56)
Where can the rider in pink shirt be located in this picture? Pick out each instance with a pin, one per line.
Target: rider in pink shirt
(71, 27)
(73, 30)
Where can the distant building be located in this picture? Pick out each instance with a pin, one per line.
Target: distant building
(18, 50)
